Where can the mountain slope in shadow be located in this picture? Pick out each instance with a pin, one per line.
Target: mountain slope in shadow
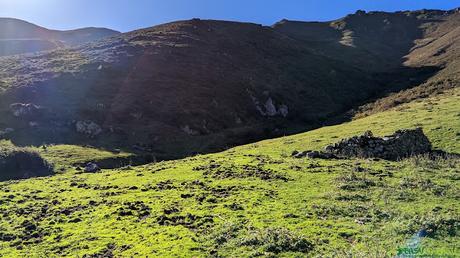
(202, 85)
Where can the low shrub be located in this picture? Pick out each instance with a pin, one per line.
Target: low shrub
(277, 240)
(21, 163)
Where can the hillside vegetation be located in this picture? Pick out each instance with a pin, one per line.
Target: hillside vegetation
(21, 163)
(19, 37)
(253, 200)
(200, 86)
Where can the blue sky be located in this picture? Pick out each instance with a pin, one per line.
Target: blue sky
(126, 15)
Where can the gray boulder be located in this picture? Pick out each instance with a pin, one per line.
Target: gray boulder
(92, 168)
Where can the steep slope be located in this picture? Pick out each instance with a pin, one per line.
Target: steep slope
(190, 86)
(199, 86)
(439, 47)
(254, 200)
(17, 37)
(406, 46)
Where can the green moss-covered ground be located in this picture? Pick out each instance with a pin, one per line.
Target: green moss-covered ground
(253, 200)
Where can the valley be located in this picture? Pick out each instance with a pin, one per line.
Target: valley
(208, 138)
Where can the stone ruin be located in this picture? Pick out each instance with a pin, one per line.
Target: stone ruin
(401, 144)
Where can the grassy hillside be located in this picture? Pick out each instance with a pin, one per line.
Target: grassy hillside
(19, 37)
(170, 88)
(253, 200)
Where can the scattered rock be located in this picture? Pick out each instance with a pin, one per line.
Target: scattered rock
(270, 109)
(313, 155)
(88, 128)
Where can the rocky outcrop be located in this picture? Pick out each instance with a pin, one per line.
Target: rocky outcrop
(401, 144)
(269, 109)
(88, 128)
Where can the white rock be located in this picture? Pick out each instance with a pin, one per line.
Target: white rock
(270, 108)
(88, 127)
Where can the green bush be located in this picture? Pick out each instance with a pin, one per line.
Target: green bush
(21, 163)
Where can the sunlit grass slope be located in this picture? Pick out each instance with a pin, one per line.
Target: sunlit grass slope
(253, 200)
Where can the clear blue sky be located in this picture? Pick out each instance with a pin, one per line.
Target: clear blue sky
(126, 15)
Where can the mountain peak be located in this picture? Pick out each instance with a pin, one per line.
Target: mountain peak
(19, 36)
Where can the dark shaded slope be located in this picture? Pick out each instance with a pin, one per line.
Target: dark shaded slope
(417, 50)
(19, 163)
(439, 47)
(199, 86)
(181, 87)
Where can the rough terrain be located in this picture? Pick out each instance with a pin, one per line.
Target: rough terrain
(198, 86)
(254, 200)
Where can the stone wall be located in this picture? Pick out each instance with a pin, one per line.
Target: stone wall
(401, 144)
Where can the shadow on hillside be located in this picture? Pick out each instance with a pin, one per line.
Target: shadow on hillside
(59, 130)
(376, 54)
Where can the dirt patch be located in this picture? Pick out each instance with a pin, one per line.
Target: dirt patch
(189, 221)
(138, 209)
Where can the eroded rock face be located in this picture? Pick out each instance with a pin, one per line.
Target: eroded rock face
(88, 128)
(401, 144)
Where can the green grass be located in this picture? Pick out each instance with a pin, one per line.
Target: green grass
(64, 156)
(253, 200)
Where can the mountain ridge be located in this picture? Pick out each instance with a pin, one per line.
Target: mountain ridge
(204, 85)
(18, 36)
